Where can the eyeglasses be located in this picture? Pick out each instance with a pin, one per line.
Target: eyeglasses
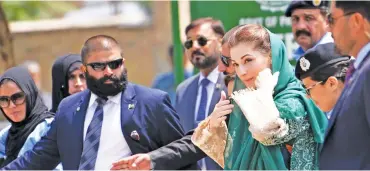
(17, 99)
(331, 19)
(202, 41)
(309, 88)
(98, 66)
(225, 60)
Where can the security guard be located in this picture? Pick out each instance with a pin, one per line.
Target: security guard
(309, 24)
(322, 72)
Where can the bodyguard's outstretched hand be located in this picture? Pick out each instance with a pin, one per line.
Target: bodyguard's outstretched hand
(135, 162)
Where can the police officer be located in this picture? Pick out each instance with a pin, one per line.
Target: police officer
(309, 24)
(322, 72)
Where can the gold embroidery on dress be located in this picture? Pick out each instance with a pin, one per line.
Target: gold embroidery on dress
(211, 141)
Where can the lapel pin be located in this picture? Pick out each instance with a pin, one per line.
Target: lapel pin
(78, 109)
(134, 135)
(131, 106)
(218, 86)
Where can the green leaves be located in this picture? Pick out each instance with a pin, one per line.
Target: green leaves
(34, 10)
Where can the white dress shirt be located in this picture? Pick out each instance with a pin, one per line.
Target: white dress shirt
(212, 77)
(113, 145)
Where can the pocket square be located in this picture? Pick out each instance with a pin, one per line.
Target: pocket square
(134, 135)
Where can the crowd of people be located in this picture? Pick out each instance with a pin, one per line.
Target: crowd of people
(248, 108)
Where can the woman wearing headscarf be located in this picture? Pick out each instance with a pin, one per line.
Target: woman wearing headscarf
(22, 106)
(67, 78)
(269, 109)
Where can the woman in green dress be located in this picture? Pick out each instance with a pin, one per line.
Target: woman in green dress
(262, 120)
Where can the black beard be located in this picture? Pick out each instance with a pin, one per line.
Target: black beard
(206, 63)
(101, 89)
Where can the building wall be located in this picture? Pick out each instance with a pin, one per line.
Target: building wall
(144, 47)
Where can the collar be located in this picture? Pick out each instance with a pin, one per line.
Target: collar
(115, 99)
(328, 114)
(213, 76)
(298, 53)
(327, 38)
(361, 55)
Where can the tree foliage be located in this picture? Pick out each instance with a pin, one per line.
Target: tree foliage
(34, 10)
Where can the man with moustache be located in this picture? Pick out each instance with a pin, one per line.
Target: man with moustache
(197, 96)
(309, 25)
(346, 146)
(112, 120)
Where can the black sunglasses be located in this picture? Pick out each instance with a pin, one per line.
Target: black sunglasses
(202, 41)
(331, 19)
(225, 60)
(98, 66)
(17, 99)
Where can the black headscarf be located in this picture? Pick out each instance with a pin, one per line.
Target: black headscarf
(60, 72)
(36, 112)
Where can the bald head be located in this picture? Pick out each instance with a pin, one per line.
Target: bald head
(98, 43)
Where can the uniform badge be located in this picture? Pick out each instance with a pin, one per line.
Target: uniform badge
(316, 2)
(304, 63)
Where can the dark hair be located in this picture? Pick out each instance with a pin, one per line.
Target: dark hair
(254, 34)
(94, 44)
(216, 25)
(338, 70)
(228, 34)
(362, 7)
(229, 78)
